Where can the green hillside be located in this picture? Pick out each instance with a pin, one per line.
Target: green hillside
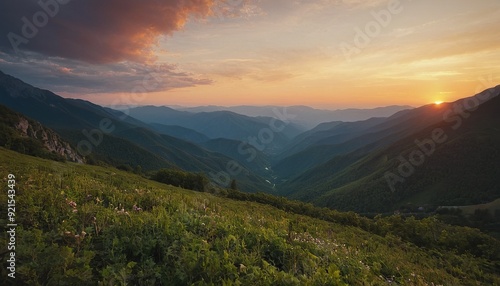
(463, 170)
(252, 159)
(123, 140)
(88, 225)
(179, 132)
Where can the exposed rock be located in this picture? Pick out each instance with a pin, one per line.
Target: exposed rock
(51, 140)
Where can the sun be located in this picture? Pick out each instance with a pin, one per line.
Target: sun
(438, 102)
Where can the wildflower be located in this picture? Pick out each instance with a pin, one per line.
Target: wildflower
(71, 203)
(122, 211)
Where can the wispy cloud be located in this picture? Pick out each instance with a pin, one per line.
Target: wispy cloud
(72, 76)
(267, 66)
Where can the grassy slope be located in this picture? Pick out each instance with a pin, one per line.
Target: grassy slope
(450, 176)
(183, 237)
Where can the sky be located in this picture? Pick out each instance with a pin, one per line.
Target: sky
(328, 54)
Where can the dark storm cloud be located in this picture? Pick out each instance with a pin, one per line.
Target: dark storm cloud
(93, 31)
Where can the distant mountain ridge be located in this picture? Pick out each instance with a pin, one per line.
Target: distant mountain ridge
(305, 116)
(257, 131)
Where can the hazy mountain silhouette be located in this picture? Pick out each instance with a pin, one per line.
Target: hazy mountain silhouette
(305, 116)
(220, 124)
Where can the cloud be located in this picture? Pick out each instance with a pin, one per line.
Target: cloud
(363, 4)
(94, 31)
(435, 40)
(237, 8)
(267, 66)
(75, 77)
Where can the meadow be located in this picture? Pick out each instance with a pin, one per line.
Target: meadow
(89, 225)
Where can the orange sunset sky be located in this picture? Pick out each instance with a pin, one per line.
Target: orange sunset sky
(322, 53)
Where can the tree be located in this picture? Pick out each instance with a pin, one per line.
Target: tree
(138, 169)
(233, 185)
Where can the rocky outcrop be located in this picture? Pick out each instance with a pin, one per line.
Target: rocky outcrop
(51, 140)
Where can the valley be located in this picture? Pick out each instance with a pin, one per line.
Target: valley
(238, 199)
(373, 165)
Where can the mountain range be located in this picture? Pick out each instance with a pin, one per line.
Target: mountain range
(377, 160)
(113, 137)
(304, 116)
(395, 162)
(224, 124)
